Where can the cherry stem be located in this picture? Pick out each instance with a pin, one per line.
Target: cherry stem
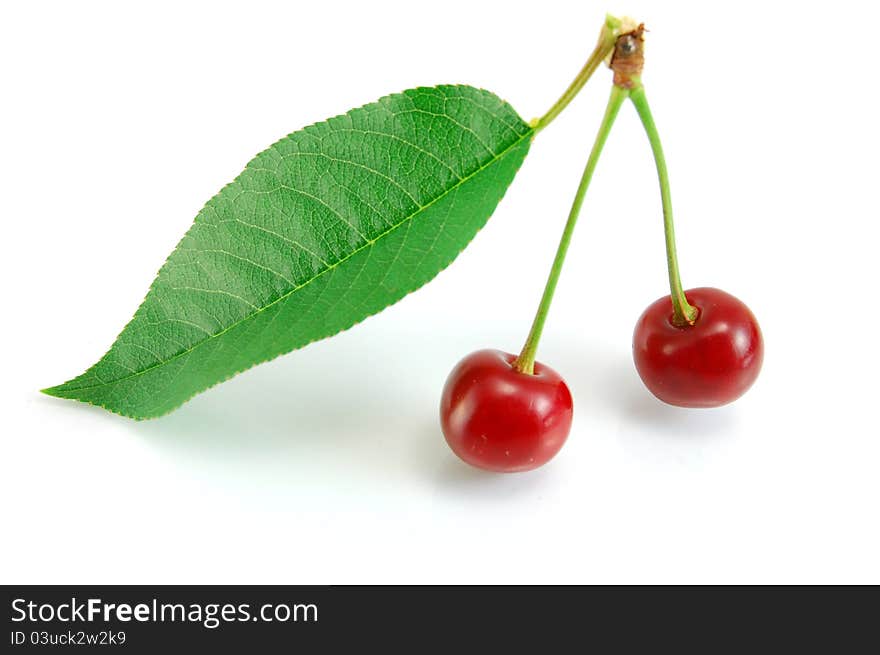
(525, 363)
(683, 313)
(607, 39)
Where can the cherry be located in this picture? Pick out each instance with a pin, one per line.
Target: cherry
(498, 418)
(705, 364)
(508, 413)
(697, 348)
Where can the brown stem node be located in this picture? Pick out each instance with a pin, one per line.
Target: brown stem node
(628, 58)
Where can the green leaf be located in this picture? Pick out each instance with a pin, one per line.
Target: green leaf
(328, 226)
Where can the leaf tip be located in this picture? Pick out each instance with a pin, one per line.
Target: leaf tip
(55, 391)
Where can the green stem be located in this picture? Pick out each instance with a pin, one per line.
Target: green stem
(607, 39)
(683, 312)
(525, 363)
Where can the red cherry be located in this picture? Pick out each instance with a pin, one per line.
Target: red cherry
(707, 364)
(500, 419)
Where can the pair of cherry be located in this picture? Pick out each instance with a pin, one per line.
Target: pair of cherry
(696, 348)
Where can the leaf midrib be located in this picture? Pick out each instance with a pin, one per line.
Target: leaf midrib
(369, 244)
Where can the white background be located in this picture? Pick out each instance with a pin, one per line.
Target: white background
(327, 465)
